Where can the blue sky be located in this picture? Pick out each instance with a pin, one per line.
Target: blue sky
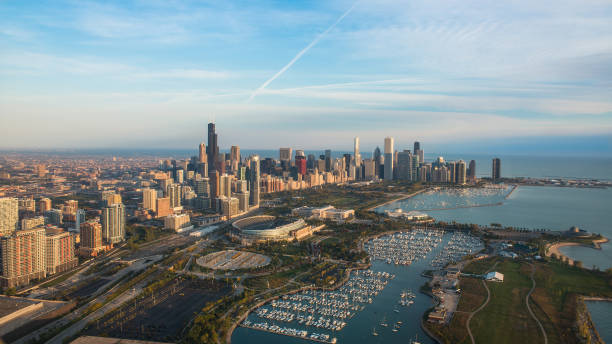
(461, 74)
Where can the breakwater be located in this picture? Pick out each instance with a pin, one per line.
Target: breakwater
(372, 208)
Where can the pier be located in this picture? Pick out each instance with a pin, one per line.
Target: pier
(327, 310)
(320, 340)
(400, 198)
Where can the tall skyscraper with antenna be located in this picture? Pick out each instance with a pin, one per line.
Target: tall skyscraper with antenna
(213, 149)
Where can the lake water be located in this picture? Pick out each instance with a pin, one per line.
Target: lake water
(359, 328)
(530, 207)
(600, 313)
(534, 207)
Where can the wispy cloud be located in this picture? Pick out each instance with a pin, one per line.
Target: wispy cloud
(44, 64)
(443, 71)
(301, 53)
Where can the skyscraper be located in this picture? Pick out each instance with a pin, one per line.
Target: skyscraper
(460, 172)
(284, 154)
(451, 165)
(310, 163)
(213, 149)
(418, 151)
(113, 223)
(471, 175)
(149, 199)
(254, 181)
(163, 207)
(300, 164)
(214, 185)
(404, 165)
(225, 185)
(377, 162)
(202, 158)
(496, 169)
(91, 238)
(234, 158)
(174, 193)
(59, 251)
(356, 152)
(22, 257)
(415, 167)
(9, 215)
(388, 158)
(328, 161)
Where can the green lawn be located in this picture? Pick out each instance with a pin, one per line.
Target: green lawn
(555, 297)
(505, 318)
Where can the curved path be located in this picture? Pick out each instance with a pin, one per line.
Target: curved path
(533, 285)
(467, 323)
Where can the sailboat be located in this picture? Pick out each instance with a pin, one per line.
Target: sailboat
(384, 322)
(415, 340)
(374, 333)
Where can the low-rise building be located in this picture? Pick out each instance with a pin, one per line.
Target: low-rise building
(178, 223)
(324, 213)
(494, 276)
(32, 222)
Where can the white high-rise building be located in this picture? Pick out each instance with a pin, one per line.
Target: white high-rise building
(357, 154)
(389, 158)
(9, 215)
(149, 199)
(225, 185)
(113, 223)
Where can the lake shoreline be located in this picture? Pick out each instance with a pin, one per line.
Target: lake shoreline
(555, 248)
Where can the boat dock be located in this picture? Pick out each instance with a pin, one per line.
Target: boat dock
(298, 334)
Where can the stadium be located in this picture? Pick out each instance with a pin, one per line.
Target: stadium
(264, 228)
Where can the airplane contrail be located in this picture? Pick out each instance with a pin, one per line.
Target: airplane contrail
(302, 52)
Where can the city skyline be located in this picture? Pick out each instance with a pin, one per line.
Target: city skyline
(141, 75)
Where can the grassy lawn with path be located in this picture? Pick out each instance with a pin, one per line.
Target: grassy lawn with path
(506, 318)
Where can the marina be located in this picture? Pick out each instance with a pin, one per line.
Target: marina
(379, 303)
(459, 245)
(453, 198)
(404, 247)
(325, 311)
